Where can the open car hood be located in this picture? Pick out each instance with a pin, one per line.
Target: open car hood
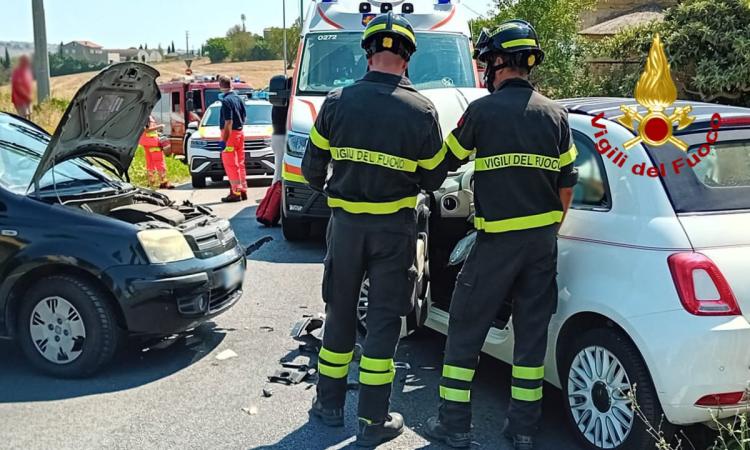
(105, 119)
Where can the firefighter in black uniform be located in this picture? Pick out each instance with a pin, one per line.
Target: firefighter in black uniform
(524, 175)
(384, 143)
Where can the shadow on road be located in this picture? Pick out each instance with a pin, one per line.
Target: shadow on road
(134, 366)
(277, 250)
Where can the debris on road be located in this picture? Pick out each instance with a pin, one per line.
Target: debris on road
(307, 325)
(267, 392)
(226, 354)
(251, 411)
(266, 328)
(292, 374)
(255, 246)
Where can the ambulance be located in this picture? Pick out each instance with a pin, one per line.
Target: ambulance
(330, 57)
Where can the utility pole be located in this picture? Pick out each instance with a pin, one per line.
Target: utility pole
(286, 62)
(41, 58)
(301, 13)
(187, 35)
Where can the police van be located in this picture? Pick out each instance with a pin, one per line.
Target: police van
(330, 57)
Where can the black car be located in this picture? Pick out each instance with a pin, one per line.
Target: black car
(86, 258)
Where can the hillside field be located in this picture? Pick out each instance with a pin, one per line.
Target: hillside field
(257, 73)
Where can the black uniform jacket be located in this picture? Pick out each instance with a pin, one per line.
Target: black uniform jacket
(524, 154)
(384, 143)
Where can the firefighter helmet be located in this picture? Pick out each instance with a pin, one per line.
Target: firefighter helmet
(517, 40)
(390, 32)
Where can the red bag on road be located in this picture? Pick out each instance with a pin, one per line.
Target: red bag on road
(269, 210)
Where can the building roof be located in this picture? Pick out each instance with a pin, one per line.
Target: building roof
(132, 51)
(86, 44)
(619, 23)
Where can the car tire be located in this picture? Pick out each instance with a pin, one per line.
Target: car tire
(198, 181)
(85, 327)
(595, 407)
(185, 156)
(295, 229)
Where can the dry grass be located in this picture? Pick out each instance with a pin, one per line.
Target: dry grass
(257, 73)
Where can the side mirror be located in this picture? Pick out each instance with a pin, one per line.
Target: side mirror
(278, 92)
(193, 126)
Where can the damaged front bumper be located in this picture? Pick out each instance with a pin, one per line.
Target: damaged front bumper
(175, 297)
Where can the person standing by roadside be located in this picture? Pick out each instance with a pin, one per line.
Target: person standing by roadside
(22, 81)
(279, 116)
(523, 186)
(232, 121)
(385, 142)
(153, 148)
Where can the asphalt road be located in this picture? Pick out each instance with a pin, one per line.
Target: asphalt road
(183, 397)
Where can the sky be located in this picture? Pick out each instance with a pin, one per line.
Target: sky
(116, 24)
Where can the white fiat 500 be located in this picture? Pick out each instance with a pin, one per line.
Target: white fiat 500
(654, 285)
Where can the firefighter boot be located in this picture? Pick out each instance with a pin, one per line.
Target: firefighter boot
(438, 432)
(520, 441)
(371, 434)
(329, 417)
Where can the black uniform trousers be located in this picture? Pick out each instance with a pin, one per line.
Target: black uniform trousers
(383, 247)
(521, 265)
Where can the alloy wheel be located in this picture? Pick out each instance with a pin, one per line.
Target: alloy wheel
(599, 395)
(57, 330)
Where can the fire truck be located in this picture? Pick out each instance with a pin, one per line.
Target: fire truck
(184, 101)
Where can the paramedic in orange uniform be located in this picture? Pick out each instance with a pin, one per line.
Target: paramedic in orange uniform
(232, 120)
(156, 167)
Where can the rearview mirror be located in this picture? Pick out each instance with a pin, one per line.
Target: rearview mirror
(193, 126)
(278, 92)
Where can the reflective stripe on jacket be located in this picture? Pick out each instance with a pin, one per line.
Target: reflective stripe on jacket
(524, 154)
(384, 143)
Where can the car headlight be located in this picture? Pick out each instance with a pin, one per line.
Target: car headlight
(198, 143)
(165, 246)
(296, 144)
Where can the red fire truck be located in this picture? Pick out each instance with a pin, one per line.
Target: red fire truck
(184, 100)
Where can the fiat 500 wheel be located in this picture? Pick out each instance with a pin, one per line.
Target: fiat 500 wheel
(603, 373)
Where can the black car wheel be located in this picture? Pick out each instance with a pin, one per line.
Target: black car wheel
(67, 327)
(295, 229)
(198, 181)
(601, 374)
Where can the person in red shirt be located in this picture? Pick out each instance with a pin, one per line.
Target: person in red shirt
(153, 147)
(21, 87)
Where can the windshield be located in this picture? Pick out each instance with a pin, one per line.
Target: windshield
(212, 95)
(256, 115)
(332, 60)
(21, 148)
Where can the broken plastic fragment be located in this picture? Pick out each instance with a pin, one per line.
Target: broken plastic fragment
(226, 354)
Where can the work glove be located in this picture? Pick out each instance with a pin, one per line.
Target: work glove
(222, 145)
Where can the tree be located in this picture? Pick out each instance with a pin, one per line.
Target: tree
(146, 46)
(556, 23)
(240, 44)
(140, 47)
(708, 46)
(261, 51)
(172, 50)
(275, 41)
(60, 49)
(6, 62)
(217, 49)
(242, 18)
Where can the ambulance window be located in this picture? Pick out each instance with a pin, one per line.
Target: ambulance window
(592, 191)
(175, 102)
